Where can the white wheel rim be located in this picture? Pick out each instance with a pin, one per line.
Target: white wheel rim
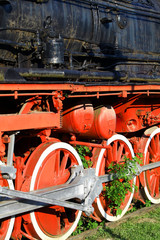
(11, 224)
(149, 197)
(47, 151)
(100, 207)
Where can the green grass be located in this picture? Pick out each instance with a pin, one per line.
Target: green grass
(144, 227)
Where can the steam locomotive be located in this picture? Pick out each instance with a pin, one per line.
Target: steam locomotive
(75, 73)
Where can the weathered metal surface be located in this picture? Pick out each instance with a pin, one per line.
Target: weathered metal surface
(122, 36)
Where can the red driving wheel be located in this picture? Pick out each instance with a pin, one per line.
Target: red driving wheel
(118, 147)
(50, 165)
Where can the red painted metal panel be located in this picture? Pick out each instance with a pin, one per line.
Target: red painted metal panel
(14, 122)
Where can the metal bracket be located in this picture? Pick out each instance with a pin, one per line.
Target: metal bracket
(8, 172)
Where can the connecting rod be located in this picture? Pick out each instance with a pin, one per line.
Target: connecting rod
(83, 185)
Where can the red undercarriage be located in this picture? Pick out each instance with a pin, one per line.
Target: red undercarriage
(126, 118)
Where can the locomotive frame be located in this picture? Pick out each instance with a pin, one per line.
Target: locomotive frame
(83, 184)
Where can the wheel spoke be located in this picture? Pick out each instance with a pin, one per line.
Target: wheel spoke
(57, 162)
(157, 187)
(120, 151)
(114, 152)
(157, 142)
(153, 185)
(64, 162)
(153, 146)
(147, 158)
(148, 179)
(127, 153)
(152, 153)
(110, 155)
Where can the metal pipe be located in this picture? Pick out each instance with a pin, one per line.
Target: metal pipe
(10, 150)
(75, 74)
(138, 171)
(88, 144)
(71, 74)
(149, 166)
